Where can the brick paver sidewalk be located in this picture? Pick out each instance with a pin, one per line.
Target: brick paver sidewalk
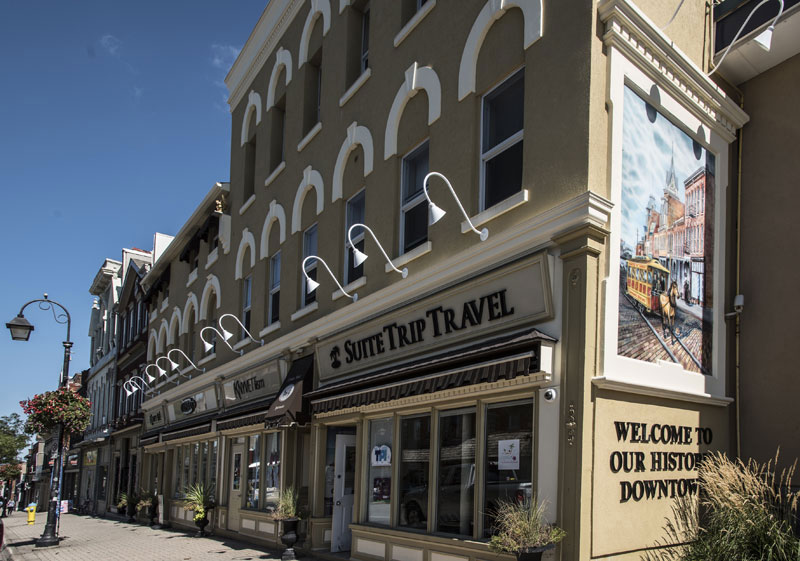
(86, 539)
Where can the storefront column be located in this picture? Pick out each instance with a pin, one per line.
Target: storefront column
(581, 254)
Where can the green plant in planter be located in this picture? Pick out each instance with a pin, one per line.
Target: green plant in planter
(200, 499)
(287, 504)
(122, 502)
(146, 500)
(521, 527)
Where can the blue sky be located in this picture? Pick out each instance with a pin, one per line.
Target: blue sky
(113, 125)
(646, 153)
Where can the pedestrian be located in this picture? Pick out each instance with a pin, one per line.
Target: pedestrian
(11, 504)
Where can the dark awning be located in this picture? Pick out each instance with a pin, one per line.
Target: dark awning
(291, 406)
(504, 357)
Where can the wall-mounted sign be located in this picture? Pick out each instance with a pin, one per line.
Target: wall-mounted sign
(515, 294)
(90, 458)
(188, 405)
(154, 418)
(194, 404)
(257, 383)
(381, 456)
(508, 454)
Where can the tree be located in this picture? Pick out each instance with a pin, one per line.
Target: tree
(12, 441)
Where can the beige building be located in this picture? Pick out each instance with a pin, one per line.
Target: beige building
(512, 359)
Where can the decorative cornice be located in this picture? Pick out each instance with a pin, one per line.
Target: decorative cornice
(632, 33)
(604, 383)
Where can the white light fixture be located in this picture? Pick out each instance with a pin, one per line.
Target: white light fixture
(134, 384)
(227, 334)
(208, 346)
(435, 213)
(359, 256)
(312, 285)
(150, 377)
(193, 365)
(172, 364)
(763, 39)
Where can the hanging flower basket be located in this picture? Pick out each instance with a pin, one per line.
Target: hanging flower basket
(47, 410)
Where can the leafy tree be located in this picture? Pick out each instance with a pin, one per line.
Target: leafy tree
(12, 441)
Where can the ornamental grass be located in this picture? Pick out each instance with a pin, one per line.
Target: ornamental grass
(745, 511)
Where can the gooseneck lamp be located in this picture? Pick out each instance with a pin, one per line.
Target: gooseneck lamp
(435, 213)
(359, 256)
(208, 346)
(311, 284)
(192, 364)
(763, 39)
(227, 334)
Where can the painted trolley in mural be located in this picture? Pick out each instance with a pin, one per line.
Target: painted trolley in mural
(666, 249)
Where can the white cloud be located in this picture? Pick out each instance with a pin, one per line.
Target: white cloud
(111, 44)
(223, 56)
(138, 92)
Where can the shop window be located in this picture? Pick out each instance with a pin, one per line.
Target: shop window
(247, 290)
(195, 448)
(187, 461)
(177, 484)
(274, 302)
(253, 472)
(276, 137)
(272, 470)
(309, 248)
(379, 483)
(102, 482)
(456, 472)
(501, 141)
(414, 459)
(509, 459)
(414, 207)
(212, 468)
(355, 215)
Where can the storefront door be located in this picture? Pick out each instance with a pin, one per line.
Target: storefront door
(235, 491)
(343, 486)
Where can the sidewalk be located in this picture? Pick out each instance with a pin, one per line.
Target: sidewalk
(84, 538)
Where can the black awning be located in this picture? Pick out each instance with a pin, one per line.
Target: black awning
(505, 357)
(291, 406)
(194, 431)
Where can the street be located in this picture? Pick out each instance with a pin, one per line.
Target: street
(84, 538)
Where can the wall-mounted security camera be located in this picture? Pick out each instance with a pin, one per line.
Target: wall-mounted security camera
(738, 303)
(550, 395)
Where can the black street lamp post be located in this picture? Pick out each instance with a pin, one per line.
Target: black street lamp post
(20, 331)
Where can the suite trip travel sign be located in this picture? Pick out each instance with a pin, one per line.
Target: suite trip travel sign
(516, 294)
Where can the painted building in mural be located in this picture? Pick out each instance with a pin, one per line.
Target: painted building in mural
(560, 335)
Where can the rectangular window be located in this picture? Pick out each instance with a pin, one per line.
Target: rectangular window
(272, 470)
(277, 125)
(379, 484)
(365, 39)
(187, 460)
(203, 473)
(355, 215)
(274, 311)
(247, 286)
(309, 248)
(414, 207)
(509, 458)
(253, 471)
(250, 165)
(456, 472)
(412, 473)
(501, 141)
(195, 463)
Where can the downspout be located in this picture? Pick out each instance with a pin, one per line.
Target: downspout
(737, 319)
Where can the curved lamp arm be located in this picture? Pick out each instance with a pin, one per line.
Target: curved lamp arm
(150, 377)
(227, 334)
(163, 371)
(311, 284)
(134, 384)
(208, 346)
(435, 213)
(763, 39)
(359, 256)
(187, 359)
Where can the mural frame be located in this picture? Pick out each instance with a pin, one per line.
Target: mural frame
(663, 378)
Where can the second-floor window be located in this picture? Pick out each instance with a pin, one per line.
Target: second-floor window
(501, 141)
(309, 248)
(247, 285)
(414, 210)
(355, 215)
(365, 38)
(274, 305)
(276, 137)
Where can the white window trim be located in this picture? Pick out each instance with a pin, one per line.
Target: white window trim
(309, 137)
(414, 22)
(242, 344)
(271, 328)
(275, 173)
(192, 277)
(351, 91)
(406, 258)
(212, 257)
(247, 204)
(164, 304)
(356, 284)
(207, 359)
(304, 311)
(499, 209)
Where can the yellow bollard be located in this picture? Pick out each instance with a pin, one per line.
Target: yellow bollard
(31, 510)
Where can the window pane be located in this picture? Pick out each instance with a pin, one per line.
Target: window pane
(275, 271)
(310, 242)
(503, 111)
(195, 461)
(203, 464)
(272, 470)
(212, 466)
(355, 212)
(253, 471)
(355, 215)
(504, 175)
(310, 298)
(415, 168)
(274, 307)
(415, 226)
(415, 443)
(380, 471)
(178, 464)
(456, 472)
(187, 459)
(354, 273)
(509, 437)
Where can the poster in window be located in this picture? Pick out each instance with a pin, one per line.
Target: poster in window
(667, 241)
(381, 489)
(381, 456)
(508, 454)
